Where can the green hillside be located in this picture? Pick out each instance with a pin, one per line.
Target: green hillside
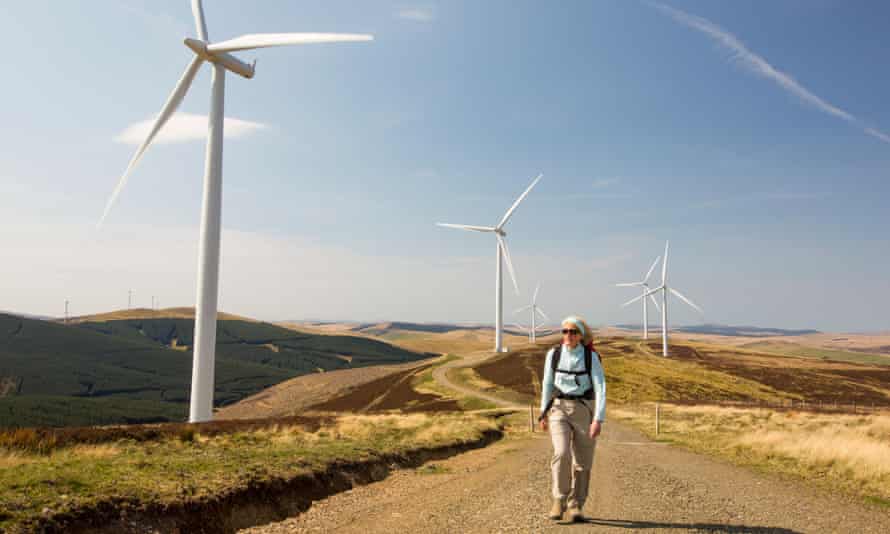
(103, 366)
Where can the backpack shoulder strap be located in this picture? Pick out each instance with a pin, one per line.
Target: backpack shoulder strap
(554, 360)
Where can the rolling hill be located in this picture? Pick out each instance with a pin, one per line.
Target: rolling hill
(139, 368)
(424, 337)
(727, 330)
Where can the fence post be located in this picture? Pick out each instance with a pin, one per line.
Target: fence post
(531, 418)
(657, 418)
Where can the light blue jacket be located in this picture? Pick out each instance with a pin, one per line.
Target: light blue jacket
(573, 360)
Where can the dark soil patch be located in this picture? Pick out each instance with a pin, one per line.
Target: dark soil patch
(812, 381)
(392, 392)
(523, 370)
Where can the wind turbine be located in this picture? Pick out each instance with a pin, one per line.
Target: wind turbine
(502, 252)
(217, 54)
(532, 334)
(665, 289)
(645, 285)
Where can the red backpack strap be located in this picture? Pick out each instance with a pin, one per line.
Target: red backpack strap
(593, 349)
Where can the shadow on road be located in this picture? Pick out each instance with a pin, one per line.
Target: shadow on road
(695, 527)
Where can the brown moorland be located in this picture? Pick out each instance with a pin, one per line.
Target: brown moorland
(392, 392)
(635, 372)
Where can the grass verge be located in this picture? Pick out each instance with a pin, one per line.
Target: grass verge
(193, 475)
(837, 451)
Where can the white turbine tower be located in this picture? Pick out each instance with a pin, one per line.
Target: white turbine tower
(535, 310)
(665, 289)
(217, 54)
(645, 285)
(502, 252)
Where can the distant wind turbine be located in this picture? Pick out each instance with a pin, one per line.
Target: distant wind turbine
(218, 55)
(502, 252)
(645, 285)
(664, 288)
(535, 310)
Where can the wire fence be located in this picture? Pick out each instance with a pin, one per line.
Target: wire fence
(853, 407)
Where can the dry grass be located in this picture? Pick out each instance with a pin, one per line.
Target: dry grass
(851, 452)
(10, 459)
(145, 313)
(197, 462)
(857, 445)
(104, 450)
(459, 341)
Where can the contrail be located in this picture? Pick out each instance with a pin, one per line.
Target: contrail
(759, 66)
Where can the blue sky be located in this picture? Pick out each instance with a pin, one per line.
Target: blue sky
(749, 134)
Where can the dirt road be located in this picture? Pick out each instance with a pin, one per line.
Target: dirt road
(637, 484)
(440, 374)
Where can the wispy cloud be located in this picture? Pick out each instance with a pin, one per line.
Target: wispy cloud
(417, 14)
(880, 135)
(184, 127)
(759, 66)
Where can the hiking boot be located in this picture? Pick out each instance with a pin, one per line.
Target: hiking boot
(575, 515)
(559, 506)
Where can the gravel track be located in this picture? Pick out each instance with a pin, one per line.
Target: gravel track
(637, 484)
(440, 374)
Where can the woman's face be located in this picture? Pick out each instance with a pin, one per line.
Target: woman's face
(571, 336)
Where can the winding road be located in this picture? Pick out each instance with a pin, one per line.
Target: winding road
(440, 375)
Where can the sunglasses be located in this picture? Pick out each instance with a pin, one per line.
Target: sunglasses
(571, 331)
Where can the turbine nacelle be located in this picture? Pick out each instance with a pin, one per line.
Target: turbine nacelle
(503, 256)
(225, 59)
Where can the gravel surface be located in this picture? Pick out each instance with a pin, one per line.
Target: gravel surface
(636, 484)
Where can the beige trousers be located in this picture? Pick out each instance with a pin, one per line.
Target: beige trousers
(569, 422)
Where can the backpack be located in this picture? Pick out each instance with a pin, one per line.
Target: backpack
(554, 365)
(588, 362)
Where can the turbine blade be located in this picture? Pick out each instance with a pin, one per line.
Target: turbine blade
(631, 301)
(518, 200)
(629, 284)
(544, 315)
(664, 264)
(654, 291)
(467, 227)
(200, 25)
(535, 296)
(265, 40)
(520, 327)
(684, 299)
(167, 111)
(522, 309)
(648, 274)
(657, 307)
(503, 244)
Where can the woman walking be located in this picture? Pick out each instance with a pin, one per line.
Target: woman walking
(573, 407)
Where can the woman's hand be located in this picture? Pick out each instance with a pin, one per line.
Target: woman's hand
(595, 428)
(544, 424)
